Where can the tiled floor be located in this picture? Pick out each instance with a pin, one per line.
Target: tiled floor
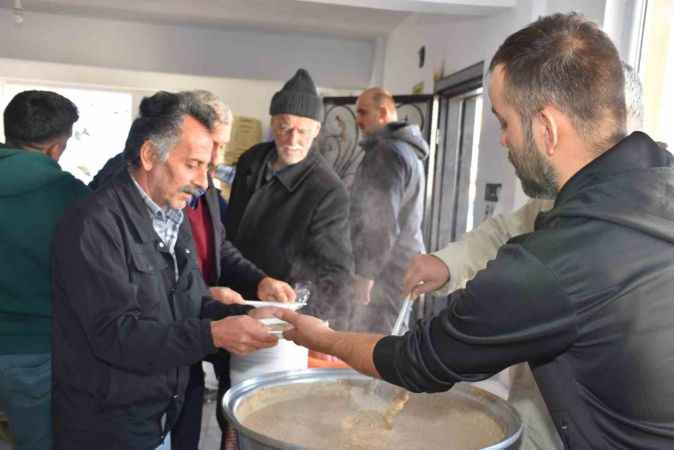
(210, 430)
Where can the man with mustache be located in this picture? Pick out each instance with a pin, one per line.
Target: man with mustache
(288, 210)
(224, 270)
(586, 298)
(131, 309)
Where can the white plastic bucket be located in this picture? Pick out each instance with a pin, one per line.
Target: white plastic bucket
(285, 355)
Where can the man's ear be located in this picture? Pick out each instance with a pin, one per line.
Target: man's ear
(549, 129)
(148, 155)
(382, 113)
(54, 150)
(318, 129)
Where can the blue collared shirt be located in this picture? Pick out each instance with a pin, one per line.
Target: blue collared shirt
(165, 221)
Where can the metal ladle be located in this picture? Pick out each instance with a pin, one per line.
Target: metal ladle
(396, 398)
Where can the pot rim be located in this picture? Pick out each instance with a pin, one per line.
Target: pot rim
(239, 392)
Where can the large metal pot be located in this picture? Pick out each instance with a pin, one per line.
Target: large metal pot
(238, 395)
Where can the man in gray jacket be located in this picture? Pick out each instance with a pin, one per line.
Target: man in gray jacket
(386, 209)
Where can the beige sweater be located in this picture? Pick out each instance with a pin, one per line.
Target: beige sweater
(467, 257)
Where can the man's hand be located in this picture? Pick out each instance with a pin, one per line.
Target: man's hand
(263, 312)
(425, 273)
(355, 349)
(241, 335)
(362, 288)
(226, 295)
(272, 290)
(307, 331)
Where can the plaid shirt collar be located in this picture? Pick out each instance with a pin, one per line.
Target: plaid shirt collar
(165, 221)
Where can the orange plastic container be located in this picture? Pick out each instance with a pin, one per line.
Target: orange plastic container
(316, 362)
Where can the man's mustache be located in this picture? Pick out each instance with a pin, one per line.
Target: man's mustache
(194, 191)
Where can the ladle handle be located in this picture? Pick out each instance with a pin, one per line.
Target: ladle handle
(402, 315)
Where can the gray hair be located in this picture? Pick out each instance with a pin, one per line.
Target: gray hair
(222, 110)
(159, 122)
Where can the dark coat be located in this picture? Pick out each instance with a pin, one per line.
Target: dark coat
(587, 299)
(125, 331)
(295, 227)
(233, 269)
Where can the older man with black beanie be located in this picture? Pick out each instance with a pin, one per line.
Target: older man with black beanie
(288, 210)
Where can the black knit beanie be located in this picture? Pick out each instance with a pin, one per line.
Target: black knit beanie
(298, 97)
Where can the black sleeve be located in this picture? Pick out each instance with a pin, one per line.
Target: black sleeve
(214, 310)
(112, 168)
(376, 199)
(513, 311)
(236, 271)
(327, 256)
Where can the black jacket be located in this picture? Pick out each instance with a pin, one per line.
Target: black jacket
(233, 270)
(125, 331)
(295, 227)
(387, 203)
(587, 299)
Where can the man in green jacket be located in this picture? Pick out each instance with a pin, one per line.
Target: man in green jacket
(34, 192)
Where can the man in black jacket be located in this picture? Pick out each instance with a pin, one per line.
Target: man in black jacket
(386, 210)
(288, 210)
(131, 309)
(586, 299)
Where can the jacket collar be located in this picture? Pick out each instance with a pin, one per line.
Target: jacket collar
(292, 176)
(636, 151)
(133, 204)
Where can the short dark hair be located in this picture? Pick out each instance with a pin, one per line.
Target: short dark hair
(567, 61)
(36, 117)
(159, 120)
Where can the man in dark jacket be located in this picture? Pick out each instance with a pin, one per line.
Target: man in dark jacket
(386, 209)
(34, 192)
(288, 210)
(131, 309)
(586, 299)
(221, 265)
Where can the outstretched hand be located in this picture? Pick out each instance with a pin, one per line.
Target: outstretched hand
(307, 331)
(425, 273)
(241, 335)
(272, 290)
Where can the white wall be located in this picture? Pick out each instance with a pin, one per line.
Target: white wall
(202, 51)
(456, 44)
(246, 97)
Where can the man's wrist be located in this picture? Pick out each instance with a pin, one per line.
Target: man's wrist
(340, 346)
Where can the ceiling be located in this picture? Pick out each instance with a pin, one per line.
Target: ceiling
(358, 19)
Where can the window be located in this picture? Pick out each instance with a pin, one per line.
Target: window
(656, 70)
(100, 132)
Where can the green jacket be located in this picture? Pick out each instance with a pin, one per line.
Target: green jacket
(34, 192)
